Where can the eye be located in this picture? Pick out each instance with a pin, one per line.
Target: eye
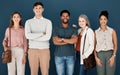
(83, 21)
(14, 17)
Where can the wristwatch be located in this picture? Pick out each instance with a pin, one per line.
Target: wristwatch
(62, 39)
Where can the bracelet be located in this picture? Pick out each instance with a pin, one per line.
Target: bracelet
(114, 55)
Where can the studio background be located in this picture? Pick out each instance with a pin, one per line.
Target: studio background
(53, 8)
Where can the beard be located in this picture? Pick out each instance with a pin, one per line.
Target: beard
(65, 22)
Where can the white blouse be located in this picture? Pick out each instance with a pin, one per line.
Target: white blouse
(104, 39)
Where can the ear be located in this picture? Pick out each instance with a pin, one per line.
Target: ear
(33, 9)
(69, 17)
(107, 20)
(43, 9)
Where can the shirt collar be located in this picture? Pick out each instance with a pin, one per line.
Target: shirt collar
(38, 19)
(103, 30)
(86, 28)
(63, 27)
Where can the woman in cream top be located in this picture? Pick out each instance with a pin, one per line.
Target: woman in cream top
(106, 46)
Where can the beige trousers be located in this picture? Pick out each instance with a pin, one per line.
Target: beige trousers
(39, 57)
(16, 64)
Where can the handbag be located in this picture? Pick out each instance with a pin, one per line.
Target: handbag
(90, 61)
(7, 55)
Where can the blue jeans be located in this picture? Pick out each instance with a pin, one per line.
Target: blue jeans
(65, 63)
(82, 70)
(78, 58)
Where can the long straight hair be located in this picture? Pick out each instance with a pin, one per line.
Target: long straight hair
(86, 18)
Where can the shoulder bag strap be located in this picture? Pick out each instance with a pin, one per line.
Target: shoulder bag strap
(84, 42)
(10, 37)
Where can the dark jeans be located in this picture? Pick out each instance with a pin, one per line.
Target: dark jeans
(78, 58)
(80, 67)
(77, 68)
(82, 70)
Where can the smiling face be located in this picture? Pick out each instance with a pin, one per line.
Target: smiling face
(65, 18)
(103, 20)
(16, 18)
(38, 10)
(82, 22)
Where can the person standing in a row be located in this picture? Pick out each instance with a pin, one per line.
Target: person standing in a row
(85, 41)
(38, 31)
(64, 37)
(106, 46)
(18, 44)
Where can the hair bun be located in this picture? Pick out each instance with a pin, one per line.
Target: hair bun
(105, 13)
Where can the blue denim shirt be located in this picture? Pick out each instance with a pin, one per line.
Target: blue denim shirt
(67, 49)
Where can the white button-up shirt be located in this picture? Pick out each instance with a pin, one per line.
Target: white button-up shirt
(104, 39)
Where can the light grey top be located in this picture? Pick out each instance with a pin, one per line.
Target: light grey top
(34, 31)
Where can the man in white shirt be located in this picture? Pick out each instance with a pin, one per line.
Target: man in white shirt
(38, 31)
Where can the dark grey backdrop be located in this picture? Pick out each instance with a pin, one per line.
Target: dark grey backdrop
(91, 8)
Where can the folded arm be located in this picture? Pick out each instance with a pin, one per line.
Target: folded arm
(29, 34)
(58, 41)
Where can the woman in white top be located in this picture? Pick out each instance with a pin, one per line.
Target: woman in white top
(106, 46)
(89, 41)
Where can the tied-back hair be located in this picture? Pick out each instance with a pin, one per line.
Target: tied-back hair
(104, 13)
(86, 18)
(11, 21)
